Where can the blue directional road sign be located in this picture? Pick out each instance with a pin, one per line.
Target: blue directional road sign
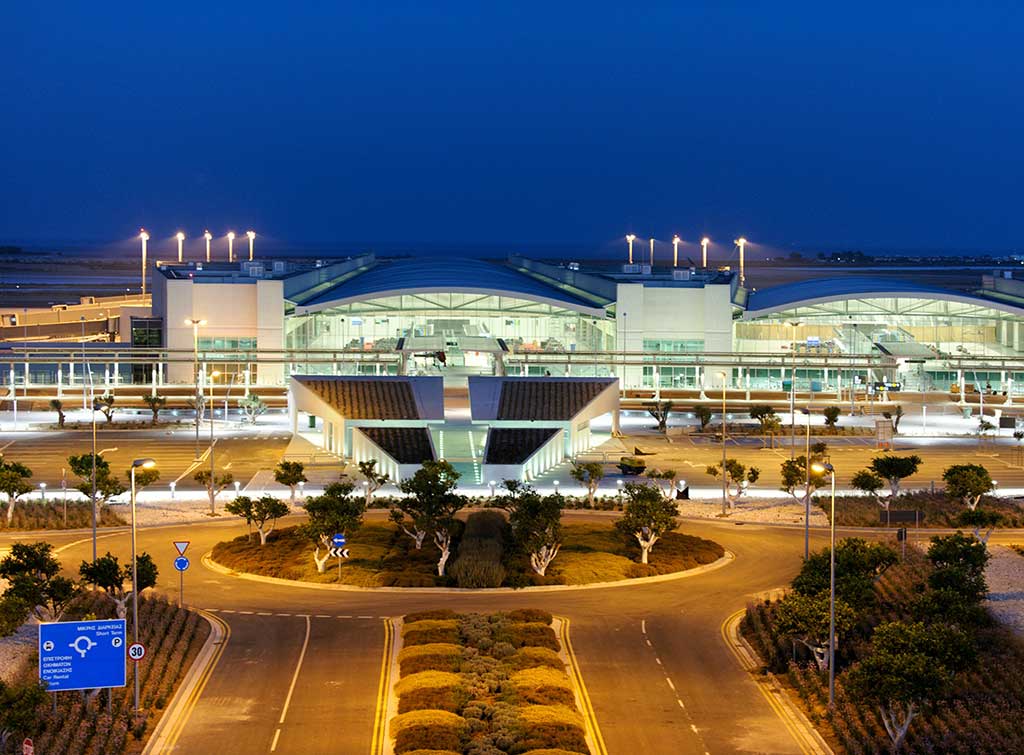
(338, 541)
(181, 563)
(82, 654)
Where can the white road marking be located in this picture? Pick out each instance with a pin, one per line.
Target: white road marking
(295, 678)
(323, 616)
(280, 614)
(694, 729)
(643, 625)
(681, 705)
(364, 617)
(670, 684)
(658, 660)
(273, 745)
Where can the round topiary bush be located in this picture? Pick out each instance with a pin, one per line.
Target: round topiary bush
(427, 730)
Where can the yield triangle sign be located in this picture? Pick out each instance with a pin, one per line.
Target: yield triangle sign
(181, 546)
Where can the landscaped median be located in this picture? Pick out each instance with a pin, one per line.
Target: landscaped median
(382, 556)
(498, 683)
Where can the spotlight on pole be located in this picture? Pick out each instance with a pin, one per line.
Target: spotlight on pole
(231, 246)
(208, 236)
(630, 239)
(181, 238)
(742, 244)
(704, 251)
(251, 235)
(675, 250)
(144, 237)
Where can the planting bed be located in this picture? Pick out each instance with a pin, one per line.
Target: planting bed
(382, 556)
(81, 726)
(473, 683)
(35, 515)
(937, 510)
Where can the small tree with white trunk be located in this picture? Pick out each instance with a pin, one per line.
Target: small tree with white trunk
(799, 481)
(337, 511)
(665, 480)
(108, 575)
(430, 503)
(738, 478)
(805, 619)
(589, 475)
(647, 516)
(263, 512)
(536, 523)
(14, 483)
(290, 473)
(372, 479)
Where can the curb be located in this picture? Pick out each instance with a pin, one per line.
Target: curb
(725, 560)
(593, 731)
(796, 723)
(387, 701)
(169, 728)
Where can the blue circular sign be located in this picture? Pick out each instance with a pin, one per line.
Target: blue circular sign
(181, 563)
(338, 540)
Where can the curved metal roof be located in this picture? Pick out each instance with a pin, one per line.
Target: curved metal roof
(445, 275)
(817, 291)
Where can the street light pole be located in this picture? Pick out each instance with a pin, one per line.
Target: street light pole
(826, 467)
(704, 252)
(725, 482)
(231, 246)
(675, 250)
(251, 235)
(807, 490)
(630, 239)
(195, 370)
(180, 237)
(145, 238)
(208, 236)
(147, 464)
(792, 393)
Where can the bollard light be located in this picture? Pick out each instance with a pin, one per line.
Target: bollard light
(42, 491)
(237, 486)
(172, 486)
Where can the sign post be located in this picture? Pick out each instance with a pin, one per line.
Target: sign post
(81, 655)
(181, 564)
(338, 550)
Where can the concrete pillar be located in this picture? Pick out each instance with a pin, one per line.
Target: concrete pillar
(60, 383)
(246, 379)
(615, 422)
(152, 385)
(960, 382)
(26, 377)
(700, 381)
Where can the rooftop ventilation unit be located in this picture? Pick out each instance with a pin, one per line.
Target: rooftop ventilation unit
(680, 275)
(279, 266)
(633, 269)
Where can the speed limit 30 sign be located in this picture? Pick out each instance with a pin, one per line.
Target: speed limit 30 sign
(136, 651)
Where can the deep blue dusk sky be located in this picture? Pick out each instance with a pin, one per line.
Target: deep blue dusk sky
(888, 125)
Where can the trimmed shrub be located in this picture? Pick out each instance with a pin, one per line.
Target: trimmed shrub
(480, 553)
(430, 631)
(437, 656)
(529, 615)
(434, 752)
(438, 698)
(531, 657)
(551, 751)
(551, 726)
(426, 680)
(436, 614)
(472, 570)
(428, 730)
(533, 634)
(540, 677)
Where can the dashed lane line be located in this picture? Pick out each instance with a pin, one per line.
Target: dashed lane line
(291, 687)
(672, 686)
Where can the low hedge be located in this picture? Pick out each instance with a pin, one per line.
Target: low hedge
(551, 726)
(437, 656)
(428, 631)
(529, 615)
(439, 752)
(530, 657)
(428, 730)
(451, 699)
(548, 751)
(528, 634)
(436, 614)
(426, 680)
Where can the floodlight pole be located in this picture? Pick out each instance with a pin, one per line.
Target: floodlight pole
(832, 594)
(725, 481)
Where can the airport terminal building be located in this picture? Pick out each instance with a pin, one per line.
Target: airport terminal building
(654, 328)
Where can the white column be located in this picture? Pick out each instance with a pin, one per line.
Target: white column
(60, 382)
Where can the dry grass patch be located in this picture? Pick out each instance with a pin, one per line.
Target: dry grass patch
(525, 658)
(430, 631)
(541, 676)
(427, 730)
(426, 680)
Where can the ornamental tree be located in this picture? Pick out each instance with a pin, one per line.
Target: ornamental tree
(34, 577)
(589, 475)
(866, 481)
(107, 484)
(665, 480)
(14, 483)
(105, 404)
(536, 522)
(262, 512)
(831, 416)
(430, 503)
(764, 414)
(155, 404)
(805, 619)
(373, 479)
(214, 485)
(893, 469)
(337, 511)
(253, 407)
(908, 666)
(703, 415)
(660, 410)
(959, 564)
(738, 478)
(968, 482)
(800, 482)
(646, 516)
(58, 406)
(290, 473)
(108, 575)
(859, 564)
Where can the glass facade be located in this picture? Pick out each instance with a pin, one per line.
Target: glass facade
(457, 318)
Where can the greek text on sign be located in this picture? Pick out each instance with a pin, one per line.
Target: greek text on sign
(82, 654)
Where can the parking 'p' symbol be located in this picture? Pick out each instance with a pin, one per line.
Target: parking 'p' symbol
(117, 642)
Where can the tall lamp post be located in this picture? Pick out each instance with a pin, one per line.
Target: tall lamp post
(181, 239)
(144, 238)
(821, 468)
(252, 236)
(231, 246)
(725, 481)
(807, 490)
(145, 464)
(675, 250)
(209, 237)
(742, 244)
(792, 392)
(630, 239)
(196, 324)
(704, 252)
(652, 252)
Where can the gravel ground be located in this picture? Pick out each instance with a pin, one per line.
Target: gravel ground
(1005, 575)
(776, 510)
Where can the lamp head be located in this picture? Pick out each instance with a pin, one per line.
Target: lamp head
(251, 234)
(179, 236)
(676, 239)
(144, 463)
(705, 241)
(741, 241)
(215, 374)
(631, 237)
(207, 235)
(231, 235)
(820, 467)
(143, 235)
